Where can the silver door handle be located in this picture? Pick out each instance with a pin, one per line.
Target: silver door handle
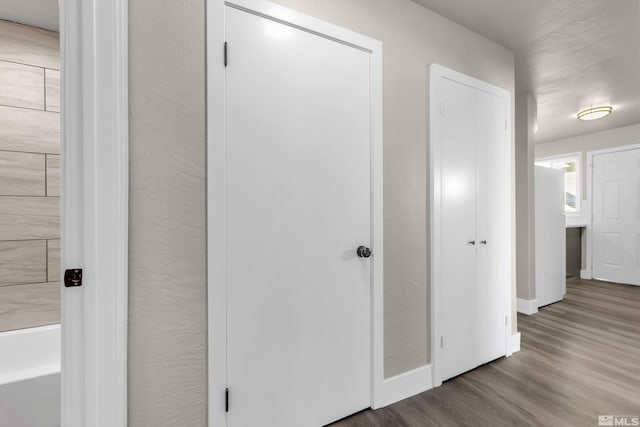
(483, 242)
(471, 242)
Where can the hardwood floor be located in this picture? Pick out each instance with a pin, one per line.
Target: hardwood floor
(579, 358)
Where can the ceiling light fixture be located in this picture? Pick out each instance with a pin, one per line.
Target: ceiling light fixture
(595, 113)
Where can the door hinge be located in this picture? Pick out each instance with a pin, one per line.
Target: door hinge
(506, 320)
(226, 400)
(225, 54)
(506, 125)
(441, 342)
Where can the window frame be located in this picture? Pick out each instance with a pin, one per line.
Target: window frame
(565, 158)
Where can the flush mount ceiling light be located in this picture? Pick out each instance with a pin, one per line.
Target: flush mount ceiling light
(595, 113)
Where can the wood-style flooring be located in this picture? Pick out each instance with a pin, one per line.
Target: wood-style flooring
(579, 358)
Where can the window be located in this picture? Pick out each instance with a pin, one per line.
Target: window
(571, 165)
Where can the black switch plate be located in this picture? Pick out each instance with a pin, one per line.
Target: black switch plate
(73, 277)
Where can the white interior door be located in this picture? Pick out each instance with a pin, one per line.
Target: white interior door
(494, 214)
(298, 194)
(550, 235)
(459, 246)
(616, 217)
(475, 216)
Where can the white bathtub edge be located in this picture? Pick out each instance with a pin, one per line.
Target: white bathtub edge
(29, 353)
(27, 374)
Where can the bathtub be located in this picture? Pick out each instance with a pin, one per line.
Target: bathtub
(30, 377)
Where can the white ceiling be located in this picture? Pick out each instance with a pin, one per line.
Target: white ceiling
(37, 13)
(570, 55)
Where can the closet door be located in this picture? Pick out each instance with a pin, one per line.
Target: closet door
(472, 248)
(493, 215)
(458, 213)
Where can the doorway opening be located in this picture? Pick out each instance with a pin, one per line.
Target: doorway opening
(71, 210)
(30, 147)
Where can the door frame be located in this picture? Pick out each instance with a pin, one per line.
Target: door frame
(589, 226)
(216, 193)
(94, 211)
(437, 72)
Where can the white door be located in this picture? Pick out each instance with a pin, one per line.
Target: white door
(298, 184)
(550, 235)
(459, 246)
(475, 243)
(494, 216)
(616, 217)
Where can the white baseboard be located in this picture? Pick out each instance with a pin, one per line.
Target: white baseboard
(407, 384)
(527, 307)
(586, 274)
(515, 343)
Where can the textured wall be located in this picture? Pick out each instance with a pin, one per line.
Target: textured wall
(29, 177)
(167, 267)
(526, 116)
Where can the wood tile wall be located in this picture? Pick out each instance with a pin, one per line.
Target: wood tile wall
(29, 177)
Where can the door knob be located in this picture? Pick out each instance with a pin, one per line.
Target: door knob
(471, 242)
(483, 242)
(363, 252)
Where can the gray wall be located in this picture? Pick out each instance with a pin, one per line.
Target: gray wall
(526, 117)
(167, 267)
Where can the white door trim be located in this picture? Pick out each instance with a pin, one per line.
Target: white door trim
(587, 273)
(436, 72)
(216, 181)
(94, 217)
(407, 384)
